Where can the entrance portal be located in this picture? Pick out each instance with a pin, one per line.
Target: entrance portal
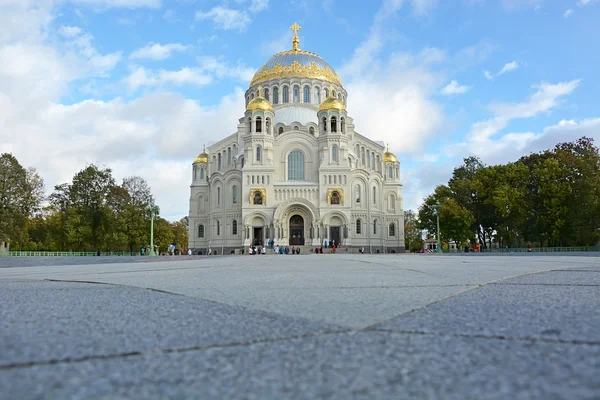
(335, 235)
(258, 236)
(297, 230)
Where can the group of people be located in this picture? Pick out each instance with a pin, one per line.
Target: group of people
(276, 250)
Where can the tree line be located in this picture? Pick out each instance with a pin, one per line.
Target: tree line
(90, 213)
(548, 199)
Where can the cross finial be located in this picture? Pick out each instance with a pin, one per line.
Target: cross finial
(387, 148)
(204, 148)
(295, 40)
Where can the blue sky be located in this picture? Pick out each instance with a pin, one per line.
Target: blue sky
(140, 85)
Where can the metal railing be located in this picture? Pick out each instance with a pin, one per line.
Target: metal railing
(534, 249)
(66, 254)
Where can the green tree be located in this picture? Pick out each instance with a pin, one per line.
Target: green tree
(180, 233)
(21, 195)
(413, 235)
(88, 194)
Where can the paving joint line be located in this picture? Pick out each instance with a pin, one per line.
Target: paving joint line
(143, 353)
(489, 337)
(542, 284)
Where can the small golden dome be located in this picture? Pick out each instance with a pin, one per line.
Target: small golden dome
(259, 103)
(202, 157)
(388, 156)
(331, 103)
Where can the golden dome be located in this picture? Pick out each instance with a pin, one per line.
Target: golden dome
(259, 103)
(388, 156)
(331, 103)
(202, 157)
(296, 63)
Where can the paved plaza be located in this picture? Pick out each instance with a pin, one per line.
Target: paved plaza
(301, 327)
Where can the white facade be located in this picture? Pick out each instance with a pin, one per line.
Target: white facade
(295, 174)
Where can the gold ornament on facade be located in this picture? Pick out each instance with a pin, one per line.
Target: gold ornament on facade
(259, 103)
(388, 156)
(340, 193)
(263, 197)
(295, 70)
(202, 157)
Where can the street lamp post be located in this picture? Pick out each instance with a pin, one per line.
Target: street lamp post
(152, 210)
(436, 208)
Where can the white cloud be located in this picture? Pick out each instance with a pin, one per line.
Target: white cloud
(511, 66)
(157, 51)
(69, 31)
(544, 99)
(454, 88)
(508, 67)
(103, 4)
(568, 13)
(422, 7)
(226, 18)
(142, 77)
(258, 5)
(583, 3)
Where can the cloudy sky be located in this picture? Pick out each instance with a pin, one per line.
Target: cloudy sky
(140, 85)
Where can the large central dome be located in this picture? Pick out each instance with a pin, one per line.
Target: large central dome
(295, 63)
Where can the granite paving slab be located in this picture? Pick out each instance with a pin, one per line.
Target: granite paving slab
(46, 321)
(362, 365)
(568, 313)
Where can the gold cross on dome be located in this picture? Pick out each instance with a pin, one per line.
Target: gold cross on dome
(295, 40)
(295, 28)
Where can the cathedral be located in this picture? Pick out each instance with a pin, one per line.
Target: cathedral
(296, 172)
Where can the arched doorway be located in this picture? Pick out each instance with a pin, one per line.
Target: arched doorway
(297, 230)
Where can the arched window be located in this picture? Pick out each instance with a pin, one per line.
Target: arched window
(229, 156)
(218, 196)
(252, 96)
(200, 231)
(374, 195)
(333, 93)
(358, 226)
(324, 124)
(362, 155)
(195, 173)
(280, 130)
(275, 95)
(340, 96)
(286, 94)
(311, 130)
(218, 227)
(234, 194)
(219, 162)
(258, 153)
(296, 94)
(317, 95)
(372, 160)
(333, 124)
(296, 128)
(257, 199)
(357, 193)
(201, 173)
(243, 159)
(267, 94)
(342, 125)
(392, 230)
(234, 227)
(335, 198)
(306, 94)
(334, 153)
(390, 172)
(326, 92)
(296, 166)
(374, 227)
(258, 124)
(268, 125)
